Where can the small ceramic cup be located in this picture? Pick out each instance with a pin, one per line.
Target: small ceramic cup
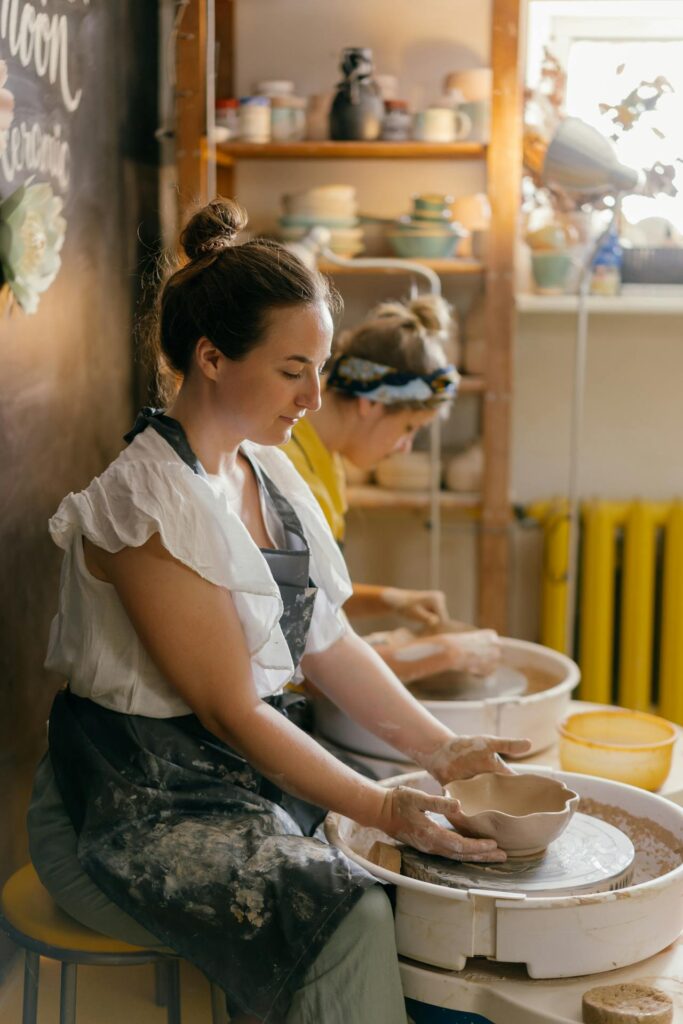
(551, 271)
(478, 113)
(441, 124)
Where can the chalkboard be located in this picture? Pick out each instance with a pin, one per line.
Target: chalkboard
(67, 376)
(68, 70)
(46, 45)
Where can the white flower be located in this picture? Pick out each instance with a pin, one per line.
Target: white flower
(6, 107)
(31, 237)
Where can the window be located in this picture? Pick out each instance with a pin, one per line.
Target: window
(593, 41)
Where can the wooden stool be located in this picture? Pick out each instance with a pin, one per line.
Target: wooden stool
(32, 919)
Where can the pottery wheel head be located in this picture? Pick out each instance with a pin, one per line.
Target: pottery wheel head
(589, 856)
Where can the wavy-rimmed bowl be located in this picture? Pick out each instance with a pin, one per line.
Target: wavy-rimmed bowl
(524, 813)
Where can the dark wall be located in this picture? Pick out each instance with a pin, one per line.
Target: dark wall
(68, 376)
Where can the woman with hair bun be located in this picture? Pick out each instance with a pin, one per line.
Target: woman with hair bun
(389, 378)
(178, 805)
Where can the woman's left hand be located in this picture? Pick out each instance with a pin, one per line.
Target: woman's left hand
(464, 756)
(426, 606)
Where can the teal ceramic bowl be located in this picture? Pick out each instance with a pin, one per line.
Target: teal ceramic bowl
(442, 229)
(301, 221)
(426, 246)
(550, 271)
(432, 216)
(431, 201)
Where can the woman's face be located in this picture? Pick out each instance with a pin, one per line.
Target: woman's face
(261, 397)
(381, 432)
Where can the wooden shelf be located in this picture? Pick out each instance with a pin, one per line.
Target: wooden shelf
(655, 301)
(470, 385)
(451, 266)
(228, 152)
(369, 496)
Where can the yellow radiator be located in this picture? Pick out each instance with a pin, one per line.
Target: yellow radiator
(620, 540)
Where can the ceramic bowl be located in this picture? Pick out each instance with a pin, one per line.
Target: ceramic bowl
(524, 813)
(425, 246)
(407, 471)
(627, 746)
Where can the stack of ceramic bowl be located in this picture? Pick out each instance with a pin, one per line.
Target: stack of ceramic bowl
(331, 206)
(551, 261)
(427, 232)
(407, 471)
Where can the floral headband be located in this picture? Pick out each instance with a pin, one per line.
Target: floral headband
(365, 379)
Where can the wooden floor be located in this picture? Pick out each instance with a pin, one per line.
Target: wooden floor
(106, 995)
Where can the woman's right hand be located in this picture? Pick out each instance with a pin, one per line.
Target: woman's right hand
(404, 816)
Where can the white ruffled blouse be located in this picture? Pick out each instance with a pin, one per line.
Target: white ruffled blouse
(149, 489)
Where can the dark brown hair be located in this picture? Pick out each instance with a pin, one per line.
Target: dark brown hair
(224, 291)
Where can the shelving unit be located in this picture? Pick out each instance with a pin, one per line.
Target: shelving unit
(370, 496)
(228, 153)
(654, 302)
(503, 165)
(441, 267)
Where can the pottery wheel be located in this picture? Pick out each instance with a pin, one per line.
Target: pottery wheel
(589, 856)
(504, 682)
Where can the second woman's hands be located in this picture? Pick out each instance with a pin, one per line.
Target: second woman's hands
(425, 606)
(404, 816)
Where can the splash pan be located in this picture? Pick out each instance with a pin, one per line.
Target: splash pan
(558, 926)
(527, 698)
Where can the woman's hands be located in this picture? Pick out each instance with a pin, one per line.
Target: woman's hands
(404, 816)
(426, 606)
(464, 756)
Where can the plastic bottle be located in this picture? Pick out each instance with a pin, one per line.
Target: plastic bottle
(606, 266)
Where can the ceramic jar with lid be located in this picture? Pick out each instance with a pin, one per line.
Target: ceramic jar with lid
(255, 119)
(358, 108)
(397, 122)
(227, 119)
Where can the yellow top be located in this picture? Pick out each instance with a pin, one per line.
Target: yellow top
(323, 471)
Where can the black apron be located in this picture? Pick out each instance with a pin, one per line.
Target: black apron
(192, 841)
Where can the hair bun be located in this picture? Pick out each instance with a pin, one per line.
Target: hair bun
(213, 228)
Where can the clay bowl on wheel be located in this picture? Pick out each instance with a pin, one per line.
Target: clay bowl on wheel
(524, 813)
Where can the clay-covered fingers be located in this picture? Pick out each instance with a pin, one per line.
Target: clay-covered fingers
(508, 747)
(412, 825)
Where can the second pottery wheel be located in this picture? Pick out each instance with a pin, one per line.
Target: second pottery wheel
(506, 681)
(589, 856)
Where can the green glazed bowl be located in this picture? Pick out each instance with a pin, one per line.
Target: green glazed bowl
(424, 246)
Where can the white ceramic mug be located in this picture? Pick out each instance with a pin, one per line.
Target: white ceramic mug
(479, 114)
(441, 124)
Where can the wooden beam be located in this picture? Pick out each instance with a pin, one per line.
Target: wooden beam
(190, 104)
(504, 181)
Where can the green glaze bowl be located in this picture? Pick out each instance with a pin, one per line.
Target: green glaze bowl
(423, 246)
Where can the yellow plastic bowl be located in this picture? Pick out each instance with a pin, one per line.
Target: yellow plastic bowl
(628, 746)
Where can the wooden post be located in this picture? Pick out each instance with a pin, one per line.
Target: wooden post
(190, 106)
(504, 180)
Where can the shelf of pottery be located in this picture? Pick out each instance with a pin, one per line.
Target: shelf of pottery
(439, 232)
(368, 120)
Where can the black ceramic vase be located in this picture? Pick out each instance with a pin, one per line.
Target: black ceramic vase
(357, 109)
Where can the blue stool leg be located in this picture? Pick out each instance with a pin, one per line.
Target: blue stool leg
(160, 983)
(67, 997)
(173, 992)
(219, 1012)
(31, 979)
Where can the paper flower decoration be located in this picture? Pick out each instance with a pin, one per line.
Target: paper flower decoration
(31, 237)
(6, 107)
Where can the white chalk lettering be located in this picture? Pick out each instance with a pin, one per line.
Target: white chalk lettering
(31, 148)
(41, 40)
